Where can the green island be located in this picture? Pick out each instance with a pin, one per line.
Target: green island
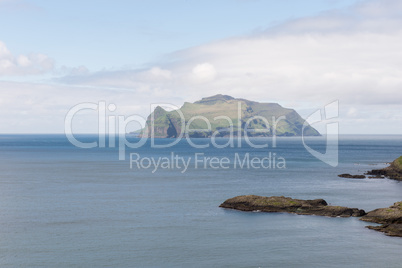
(223, 116)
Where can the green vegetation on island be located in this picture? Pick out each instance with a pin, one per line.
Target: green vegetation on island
(398, 164)
(222, 116)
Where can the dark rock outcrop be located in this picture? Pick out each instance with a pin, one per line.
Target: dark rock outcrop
(348, 176)
(390, 218)
(389, 229)
(394, 171)
(286, 204)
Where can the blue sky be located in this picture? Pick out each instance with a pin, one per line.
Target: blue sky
(301, 54)
(120, 34)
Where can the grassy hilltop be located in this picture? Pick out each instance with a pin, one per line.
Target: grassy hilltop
(221, 111)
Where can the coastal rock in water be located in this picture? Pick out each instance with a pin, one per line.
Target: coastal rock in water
(390, 218)
(352, 176)
(290, 205)
(394, 171)
(389, 229)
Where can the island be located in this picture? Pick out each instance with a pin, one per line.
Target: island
(224, 116)
(286, 204)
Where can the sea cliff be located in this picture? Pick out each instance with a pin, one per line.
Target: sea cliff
(224, 116)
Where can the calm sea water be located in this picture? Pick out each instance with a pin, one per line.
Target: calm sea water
(62, 206)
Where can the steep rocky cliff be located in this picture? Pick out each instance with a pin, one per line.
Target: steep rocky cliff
(222, 115)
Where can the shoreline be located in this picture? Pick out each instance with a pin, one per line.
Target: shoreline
(390, 218)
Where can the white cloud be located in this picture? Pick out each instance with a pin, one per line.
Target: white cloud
(380, 8)
(158, 72)
(31, 64)
(23, 61)
(350, 55)
(352, 112)
(41, 108)
(204, 72)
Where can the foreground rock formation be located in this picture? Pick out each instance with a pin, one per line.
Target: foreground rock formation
(394, 171)
(286, 204)
(390, 218)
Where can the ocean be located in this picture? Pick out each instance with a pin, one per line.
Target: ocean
(63, 206)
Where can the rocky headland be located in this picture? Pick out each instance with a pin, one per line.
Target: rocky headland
(390, 218)
(286, 204)
(393, 171)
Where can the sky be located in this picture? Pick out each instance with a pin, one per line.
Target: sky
(304, 55)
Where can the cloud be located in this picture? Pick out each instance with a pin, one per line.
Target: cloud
(31, 64)
(41, 108)
(352, 55)
(204, 72)
(158, 72)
